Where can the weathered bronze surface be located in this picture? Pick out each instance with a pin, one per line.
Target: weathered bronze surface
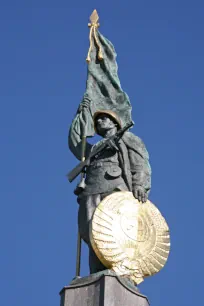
(129, 237)
(117, 173)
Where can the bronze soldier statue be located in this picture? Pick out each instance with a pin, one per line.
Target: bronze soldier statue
(124, 231)
(122, 166)
(105, 109)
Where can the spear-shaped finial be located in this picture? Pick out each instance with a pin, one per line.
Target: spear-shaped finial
(94, 19)
(93, 35)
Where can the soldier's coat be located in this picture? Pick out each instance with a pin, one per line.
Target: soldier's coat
(112, 170)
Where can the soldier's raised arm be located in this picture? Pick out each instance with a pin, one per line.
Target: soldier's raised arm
(82, 125)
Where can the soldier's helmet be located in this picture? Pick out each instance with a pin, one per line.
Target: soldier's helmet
(111, 114)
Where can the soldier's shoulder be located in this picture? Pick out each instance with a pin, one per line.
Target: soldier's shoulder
(135, 143)
(131, 138)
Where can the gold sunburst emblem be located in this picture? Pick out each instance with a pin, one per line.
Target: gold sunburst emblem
(129, 237)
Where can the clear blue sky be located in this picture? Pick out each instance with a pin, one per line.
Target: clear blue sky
(160, 48)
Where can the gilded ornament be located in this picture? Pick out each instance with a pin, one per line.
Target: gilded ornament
(129, 237)
(94, 25)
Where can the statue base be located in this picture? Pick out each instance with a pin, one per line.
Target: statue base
(102, 289)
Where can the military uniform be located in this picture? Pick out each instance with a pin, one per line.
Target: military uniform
(117, 168)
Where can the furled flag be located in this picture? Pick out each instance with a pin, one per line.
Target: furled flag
(103, 86)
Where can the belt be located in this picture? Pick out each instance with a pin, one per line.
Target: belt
(104, 163)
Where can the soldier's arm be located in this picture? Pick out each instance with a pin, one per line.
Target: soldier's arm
(81, 125)
(141, 176)
(140, 167)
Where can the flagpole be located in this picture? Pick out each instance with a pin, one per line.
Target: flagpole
(92, 35)
(81, 186)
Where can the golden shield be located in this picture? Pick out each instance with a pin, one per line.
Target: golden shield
(129, 237)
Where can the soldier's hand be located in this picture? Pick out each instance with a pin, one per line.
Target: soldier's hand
(140, 194)
(84, 104)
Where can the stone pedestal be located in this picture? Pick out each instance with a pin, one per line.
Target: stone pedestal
(102, 290)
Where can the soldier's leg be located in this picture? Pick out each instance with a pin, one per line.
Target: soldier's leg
(94, 263)
(87, 206)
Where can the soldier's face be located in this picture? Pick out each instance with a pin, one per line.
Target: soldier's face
(104, 123)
